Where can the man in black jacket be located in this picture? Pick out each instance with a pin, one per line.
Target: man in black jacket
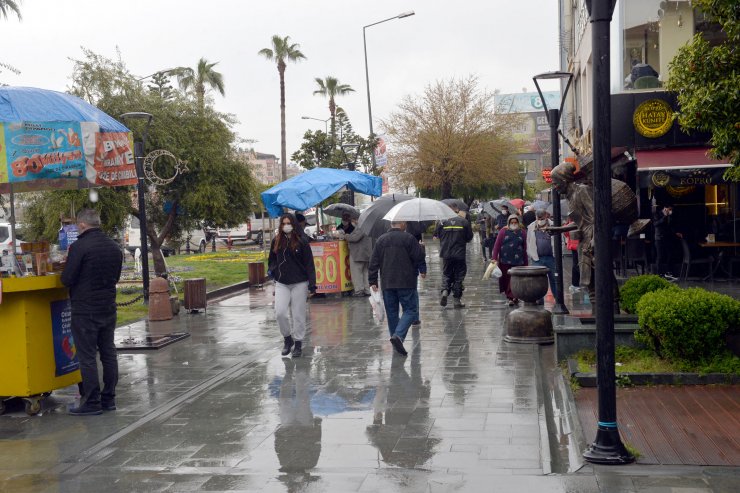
(453, 235)
(399, 257)
(91, 273)
(665, 240)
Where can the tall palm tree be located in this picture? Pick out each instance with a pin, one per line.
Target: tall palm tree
(200, 77)
(281, 52)
(330, 88)
(7, 6)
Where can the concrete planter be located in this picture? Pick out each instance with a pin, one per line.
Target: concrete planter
(530, 324)
(577, 333)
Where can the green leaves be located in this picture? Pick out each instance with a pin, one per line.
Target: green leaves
(635, 287)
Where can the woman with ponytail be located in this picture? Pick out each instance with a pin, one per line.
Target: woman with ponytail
(291, 266)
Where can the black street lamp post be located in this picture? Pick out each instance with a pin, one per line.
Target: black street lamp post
(553, 119)
(367, 73)
(607, 448)
(141, 190)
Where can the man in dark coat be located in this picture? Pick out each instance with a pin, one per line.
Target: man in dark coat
(453, 236)
(92, 271)
(665, 240)
(399, 258)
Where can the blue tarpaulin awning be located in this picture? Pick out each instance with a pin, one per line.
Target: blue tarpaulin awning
(308, 189)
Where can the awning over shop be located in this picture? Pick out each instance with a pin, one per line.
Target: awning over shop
(679, 168)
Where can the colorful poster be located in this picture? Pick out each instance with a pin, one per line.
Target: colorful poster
(65, 352)
(114, 159)
(3, 160)
(381, 152)
(44, 150)
(331, 260)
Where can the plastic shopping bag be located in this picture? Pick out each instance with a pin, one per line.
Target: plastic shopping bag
(497, 272)
(376, 301)
(489, 270)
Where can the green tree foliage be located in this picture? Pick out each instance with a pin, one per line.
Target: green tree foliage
(281, 52)
(636, 287)
(449, 141)
(330, 88)
(199, 80)
(706, 79)
(218, 187)
(160, 85)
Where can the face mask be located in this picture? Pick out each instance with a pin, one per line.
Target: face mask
(542, 222)
(513, 227)
(287, 228)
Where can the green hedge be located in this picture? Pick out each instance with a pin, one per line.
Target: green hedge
(635, 287)
(686, 324)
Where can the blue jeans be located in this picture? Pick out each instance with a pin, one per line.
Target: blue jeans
(409, 301)
(549, 262)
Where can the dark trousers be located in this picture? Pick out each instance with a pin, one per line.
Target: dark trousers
(504, 282)
(575, 270)
(409, 301)
(93, 333)
(453, 275)
(664, 254)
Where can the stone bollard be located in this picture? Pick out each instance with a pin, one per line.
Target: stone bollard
(159, 300)
(530, 324)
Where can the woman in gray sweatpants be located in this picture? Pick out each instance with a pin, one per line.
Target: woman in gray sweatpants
(291, 266)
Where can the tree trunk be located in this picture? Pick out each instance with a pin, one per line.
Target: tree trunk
(283, 150)
(446, 190)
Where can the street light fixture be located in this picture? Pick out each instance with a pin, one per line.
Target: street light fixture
(326, 127)
(367, 76)
(607, 447)
(141, 188)
(553, 119)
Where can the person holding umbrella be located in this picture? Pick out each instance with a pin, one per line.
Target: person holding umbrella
(398, 258)
(453, 234)
(291, 265)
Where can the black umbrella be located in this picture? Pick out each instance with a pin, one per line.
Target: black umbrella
(462, 206)
(371, 220)
(338, 209)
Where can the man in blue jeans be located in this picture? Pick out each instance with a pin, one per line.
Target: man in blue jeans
(398, 258)
(540, 248)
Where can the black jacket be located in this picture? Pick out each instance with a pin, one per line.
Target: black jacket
(92, 272)
(664, 226)
(399, 258)
(289, 266)
(453, 234)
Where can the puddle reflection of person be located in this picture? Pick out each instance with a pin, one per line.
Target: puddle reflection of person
(298, 438)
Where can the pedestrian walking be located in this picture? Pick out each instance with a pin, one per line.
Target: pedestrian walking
(483, 233)
(510, 251)
(398, 258)
(91, 273)
(301, 220)
(540, 248)
(291, 266)
(453, 235)
(665, 241)
(360, 250)
(501, 219)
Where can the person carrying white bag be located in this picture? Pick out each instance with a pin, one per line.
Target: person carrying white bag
(492, 270)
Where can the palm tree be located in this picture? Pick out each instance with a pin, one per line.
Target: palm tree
(199, 78)
(7, 6)
(281, 52)
(330, 87)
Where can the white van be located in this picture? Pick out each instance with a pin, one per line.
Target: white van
(5, 243)
(132, 237)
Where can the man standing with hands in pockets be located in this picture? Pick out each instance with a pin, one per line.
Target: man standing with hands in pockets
(399, 257)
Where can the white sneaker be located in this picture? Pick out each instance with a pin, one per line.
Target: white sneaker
(670, 277)
(573, 289)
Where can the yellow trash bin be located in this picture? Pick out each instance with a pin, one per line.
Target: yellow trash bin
(37, 352)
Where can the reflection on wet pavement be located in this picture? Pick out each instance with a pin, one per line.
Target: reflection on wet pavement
(222, 411)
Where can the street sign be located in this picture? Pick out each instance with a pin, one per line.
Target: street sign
(546, 175)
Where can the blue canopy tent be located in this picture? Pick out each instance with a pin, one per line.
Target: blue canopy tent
(308, 189)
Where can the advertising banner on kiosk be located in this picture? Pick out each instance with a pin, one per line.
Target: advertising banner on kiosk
(331, 260)
(65, 352)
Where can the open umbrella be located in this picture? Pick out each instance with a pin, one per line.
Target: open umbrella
(456, 203)
(564, 209)
(420, 210)
(490, 208)
(371, 220)
(339, 209)
(540, 204)
(518, 203)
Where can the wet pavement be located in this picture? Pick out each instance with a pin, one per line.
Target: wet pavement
(222, 411)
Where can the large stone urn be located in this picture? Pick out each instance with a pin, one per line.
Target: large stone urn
(530, 324)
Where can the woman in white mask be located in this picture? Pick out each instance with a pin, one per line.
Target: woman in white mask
(291, 266)
(510, 251)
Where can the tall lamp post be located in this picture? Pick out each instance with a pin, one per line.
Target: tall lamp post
(326, 127)
(553, 119)
(367, 76)
(350, 155)
(607, 448)
(141, 189)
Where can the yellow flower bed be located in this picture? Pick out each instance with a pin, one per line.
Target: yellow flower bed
(228, 257)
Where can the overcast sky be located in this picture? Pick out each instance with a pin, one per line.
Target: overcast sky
(503, 42)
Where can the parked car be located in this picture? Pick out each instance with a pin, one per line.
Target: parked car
(5, 243)
(132, 237)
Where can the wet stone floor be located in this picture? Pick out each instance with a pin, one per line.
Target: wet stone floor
(222, 411)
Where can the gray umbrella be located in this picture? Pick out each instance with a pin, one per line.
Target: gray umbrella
(491, 209)
(564, 209)
(371, 220)
(338, 209)
(456, 203)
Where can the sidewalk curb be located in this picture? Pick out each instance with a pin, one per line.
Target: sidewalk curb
(227, 290)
